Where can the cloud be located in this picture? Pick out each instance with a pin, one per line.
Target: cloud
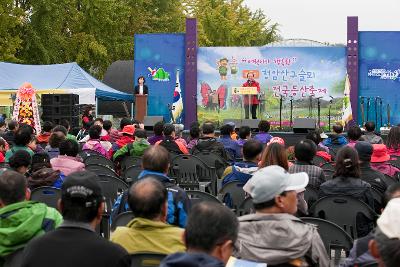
(205, 67)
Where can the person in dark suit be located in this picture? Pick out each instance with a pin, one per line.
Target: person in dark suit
(141, 88)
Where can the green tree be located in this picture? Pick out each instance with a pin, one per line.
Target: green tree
(10, 27)
(231, 23)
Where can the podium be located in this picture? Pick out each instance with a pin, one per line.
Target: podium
(140, 107)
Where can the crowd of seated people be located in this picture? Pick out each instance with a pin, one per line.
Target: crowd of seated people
(164, 220)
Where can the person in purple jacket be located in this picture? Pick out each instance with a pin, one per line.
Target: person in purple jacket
(263, 136)
(158, 133)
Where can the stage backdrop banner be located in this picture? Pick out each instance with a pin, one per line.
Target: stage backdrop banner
(302, 74)
(160, 58)
(379, 62)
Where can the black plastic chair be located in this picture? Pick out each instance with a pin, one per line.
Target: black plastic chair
(232, 195)
(87, 152)
(101, 169)
(196, 196)
(46, 194)
(310, 195)
(213, 160)
(318, 161)
(122, 219)
(129, 161)
(111, 187)
(97, 159)
(347, 212)
(246, 207)
(189, 172)
(334, 238)
(146, 259)
(132, 173)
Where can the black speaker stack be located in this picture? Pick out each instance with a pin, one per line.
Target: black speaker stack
(58, 107)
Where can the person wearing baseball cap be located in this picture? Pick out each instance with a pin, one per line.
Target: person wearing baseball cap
(75, 242)
(273, 235)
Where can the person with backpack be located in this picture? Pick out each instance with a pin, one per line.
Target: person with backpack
(136, 148)
(94, 142)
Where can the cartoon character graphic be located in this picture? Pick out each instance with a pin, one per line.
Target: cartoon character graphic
(177, 105)
(159, 74)
(222, 65)
(234, 67)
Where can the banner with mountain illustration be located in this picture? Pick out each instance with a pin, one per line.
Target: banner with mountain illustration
(300, 75)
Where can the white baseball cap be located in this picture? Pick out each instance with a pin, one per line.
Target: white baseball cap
(272, 181)
(389, 221)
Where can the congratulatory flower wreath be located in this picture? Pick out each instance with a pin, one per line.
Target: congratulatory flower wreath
(25, 108)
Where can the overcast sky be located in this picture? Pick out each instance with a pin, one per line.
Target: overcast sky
(325, 20)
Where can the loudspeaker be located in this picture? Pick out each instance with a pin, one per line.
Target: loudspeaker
(303, 125)
(59, 99)
(58, 107)
(253, 124)
(149, 121)
(73, 120)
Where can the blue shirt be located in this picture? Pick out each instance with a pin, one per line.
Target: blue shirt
(230, 146)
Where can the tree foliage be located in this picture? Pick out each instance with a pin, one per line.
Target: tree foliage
(95, 33)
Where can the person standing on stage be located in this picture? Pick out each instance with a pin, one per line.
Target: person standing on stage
(141, 88)
(254, 101)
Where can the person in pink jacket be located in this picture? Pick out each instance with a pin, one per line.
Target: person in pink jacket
(67, 162)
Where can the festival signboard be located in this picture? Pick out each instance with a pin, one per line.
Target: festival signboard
(297, 75)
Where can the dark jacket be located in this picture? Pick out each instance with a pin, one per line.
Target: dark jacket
(178, 201)
(172, 145)
(9, 137)
(45, 177)
(145, 89)
(373, 177)
(81, 247)
(191, 260)
(210, 144)
(349, 186)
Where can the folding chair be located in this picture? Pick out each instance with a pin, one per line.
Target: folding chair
(192, 173)
(122, 219)
(232, 195)
(351, 214)
(46, 194)
(196, 196)
(101, 169)
(146, 259)
(97, 159)
(335, 238)
(213, 160)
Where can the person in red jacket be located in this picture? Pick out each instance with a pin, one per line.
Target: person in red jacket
(254, 101)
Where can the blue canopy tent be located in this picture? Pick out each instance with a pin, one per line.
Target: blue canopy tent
(59, 78)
